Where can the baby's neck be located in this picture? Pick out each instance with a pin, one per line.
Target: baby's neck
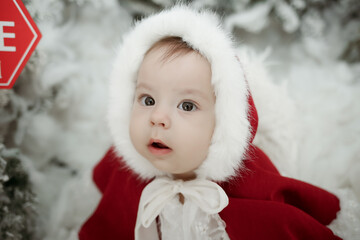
(184, 177)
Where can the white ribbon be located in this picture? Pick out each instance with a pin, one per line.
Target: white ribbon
(206, 194)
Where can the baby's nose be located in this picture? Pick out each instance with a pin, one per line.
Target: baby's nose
(161, 118)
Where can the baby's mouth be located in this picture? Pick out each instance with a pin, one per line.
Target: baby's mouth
(157, 147)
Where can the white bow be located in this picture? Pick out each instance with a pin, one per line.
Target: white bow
(206, 194)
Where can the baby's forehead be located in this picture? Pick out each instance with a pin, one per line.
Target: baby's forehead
(169, 48)
(165, 56)
(188, 72)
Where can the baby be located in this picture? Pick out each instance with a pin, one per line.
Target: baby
(173, 115)
(183, 165)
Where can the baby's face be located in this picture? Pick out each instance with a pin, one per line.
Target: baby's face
(173, 115)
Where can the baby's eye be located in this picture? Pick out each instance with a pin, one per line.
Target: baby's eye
(147, 101)
(187, 106)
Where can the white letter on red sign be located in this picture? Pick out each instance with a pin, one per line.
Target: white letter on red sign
(3, 35)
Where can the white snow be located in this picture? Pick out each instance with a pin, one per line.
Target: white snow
(253, 19)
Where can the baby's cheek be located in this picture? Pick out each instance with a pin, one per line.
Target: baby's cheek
(203, 139)
(134, 128)
(131, 132)
(199, 140)
(205, 130)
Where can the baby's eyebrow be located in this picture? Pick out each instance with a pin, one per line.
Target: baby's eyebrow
(143, 85)
(190, 91)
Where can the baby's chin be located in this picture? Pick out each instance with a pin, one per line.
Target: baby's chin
(175, 173)
(170, 169)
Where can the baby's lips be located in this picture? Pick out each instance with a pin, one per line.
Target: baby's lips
(158, 142)
(158, 148)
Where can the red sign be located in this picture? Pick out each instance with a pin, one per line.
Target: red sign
(18, 39)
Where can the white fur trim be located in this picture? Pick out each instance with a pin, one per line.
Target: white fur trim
(202, 31)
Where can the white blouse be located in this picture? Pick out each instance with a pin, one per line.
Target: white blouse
(187, 221)
(161, 215)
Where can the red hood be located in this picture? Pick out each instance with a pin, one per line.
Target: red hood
(253, 117)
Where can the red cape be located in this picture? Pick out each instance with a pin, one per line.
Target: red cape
(262, 203)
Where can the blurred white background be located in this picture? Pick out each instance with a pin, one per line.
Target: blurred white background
(303, 59)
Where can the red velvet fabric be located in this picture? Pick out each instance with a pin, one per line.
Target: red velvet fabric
(262, 203)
